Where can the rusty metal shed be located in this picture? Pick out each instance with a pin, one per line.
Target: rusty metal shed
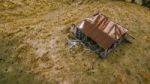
(102, 30)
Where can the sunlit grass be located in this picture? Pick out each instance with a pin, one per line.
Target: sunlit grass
(34, 49)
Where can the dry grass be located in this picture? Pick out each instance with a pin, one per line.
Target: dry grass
(33, 44)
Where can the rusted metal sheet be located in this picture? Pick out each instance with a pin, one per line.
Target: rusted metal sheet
(102, 30)
(97, 35)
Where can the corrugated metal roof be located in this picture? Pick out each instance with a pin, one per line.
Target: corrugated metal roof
(102, 30)
(97, 35)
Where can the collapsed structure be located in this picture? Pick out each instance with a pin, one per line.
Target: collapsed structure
(100, 34)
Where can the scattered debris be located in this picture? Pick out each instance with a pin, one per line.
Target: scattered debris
(72, 43)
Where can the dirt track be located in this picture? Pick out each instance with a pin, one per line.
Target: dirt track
(33, 44)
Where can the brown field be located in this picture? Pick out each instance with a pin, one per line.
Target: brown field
(34, 50)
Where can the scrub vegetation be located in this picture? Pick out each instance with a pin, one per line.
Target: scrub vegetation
(34, 49)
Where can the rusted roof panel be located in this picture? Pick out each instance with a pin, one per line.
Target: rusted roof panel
(113, 29)
(97, 35)
(102, 30)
